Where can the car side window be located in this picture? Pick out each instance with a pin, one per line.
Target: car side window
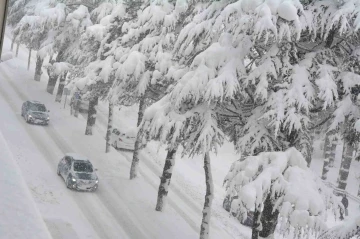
(68, 161)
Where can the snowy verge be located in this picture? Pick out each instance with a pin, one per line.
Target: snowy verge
(19, 216)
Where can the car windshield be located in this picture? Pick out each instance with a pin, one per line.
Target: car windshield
(83, 167)
(37, 107)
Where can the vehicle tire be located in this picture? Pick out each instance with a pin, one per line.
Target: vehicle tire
(27, 119)
(57, 171)
(22, 113)
(67, 182)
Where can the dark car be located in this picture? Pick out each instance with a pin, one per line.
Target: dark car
(78, 172)
(249, 221)
(35, 112)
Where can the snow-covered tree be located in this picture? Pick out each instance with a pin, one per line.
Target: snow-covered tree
(280, 189)
(261, 68)
(96, 54)
(346, 230)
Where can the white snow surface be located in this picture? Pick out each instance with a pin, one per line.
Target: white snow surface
(120, 208)
(19, 216)
(285, 177)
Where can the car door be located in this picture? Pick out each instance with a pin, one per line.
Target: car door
(23, 109)
(67, 167)
(61, 165)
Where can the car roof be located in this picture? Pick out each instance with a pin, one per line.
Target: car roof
(76, 156)
(35, 102)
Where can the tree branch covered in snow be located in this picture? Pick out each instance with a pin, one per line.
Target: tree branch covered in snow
(301, 199)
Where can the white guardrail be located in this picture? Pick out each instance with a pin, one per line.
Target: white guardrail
(340, 191)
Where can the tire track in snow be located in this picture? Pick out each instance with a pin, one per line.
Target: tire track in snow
(59, 140)
(131, 226)
(174, 188)
(43, 149)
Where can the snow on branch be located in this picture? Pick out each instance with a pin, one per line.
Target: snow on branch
(299, 196)
(348, 229)
(196, 129)
(61, 67)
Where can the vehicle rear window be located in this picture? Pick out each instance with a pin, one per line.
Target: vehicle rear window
(38, 107)
(83, 167)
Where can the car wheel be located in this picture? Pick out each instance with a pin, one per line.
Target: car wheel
(22, 113)
(58, 171)
(27, 119)
(67, 182)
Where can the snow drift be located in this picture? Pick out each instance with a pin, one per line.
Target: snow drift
(19, 216)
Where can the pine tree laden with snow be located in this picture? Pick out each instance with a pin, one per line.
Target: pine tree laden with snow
(283, 190)
(350, 229)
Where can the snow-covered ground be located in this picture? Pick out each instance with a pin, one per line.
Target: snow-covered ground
(22, 218)
(120, 208)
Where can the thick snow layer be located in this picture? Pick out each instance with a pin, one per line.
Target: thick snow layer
(7, 56)
(61, 67)
(119, 206)
(287, 11)
(287, 180)
(73, 210)
(357, 126)
(19, 215)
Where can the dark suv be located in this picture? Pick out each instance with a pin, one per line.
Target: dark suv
(35, 112)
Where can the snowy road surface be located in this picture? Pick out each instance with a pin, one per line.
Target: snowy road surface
(25, 140)
(119, 209)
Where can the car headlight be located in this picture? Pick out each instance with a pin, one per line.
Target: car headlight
(97, 181)
(73, 179)
(48, 118)
(30, 116)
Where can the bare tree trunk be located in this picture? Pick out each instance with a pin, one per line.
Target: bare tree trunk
(165, 179)
(38, 71)
(29, 59)
(269, 218)
(76, 108)
(13, 42)
(329, 151)
(256, 224)
(348, 154)
(91, 115)
(51, 83)
(109, 127)
(135, 160)
(17, 49)
(334, 143)
(61, 87)
(205, 224)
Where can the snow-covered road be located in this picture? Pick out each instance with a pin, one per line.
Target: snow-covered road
(94, 207)
(119, 209)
